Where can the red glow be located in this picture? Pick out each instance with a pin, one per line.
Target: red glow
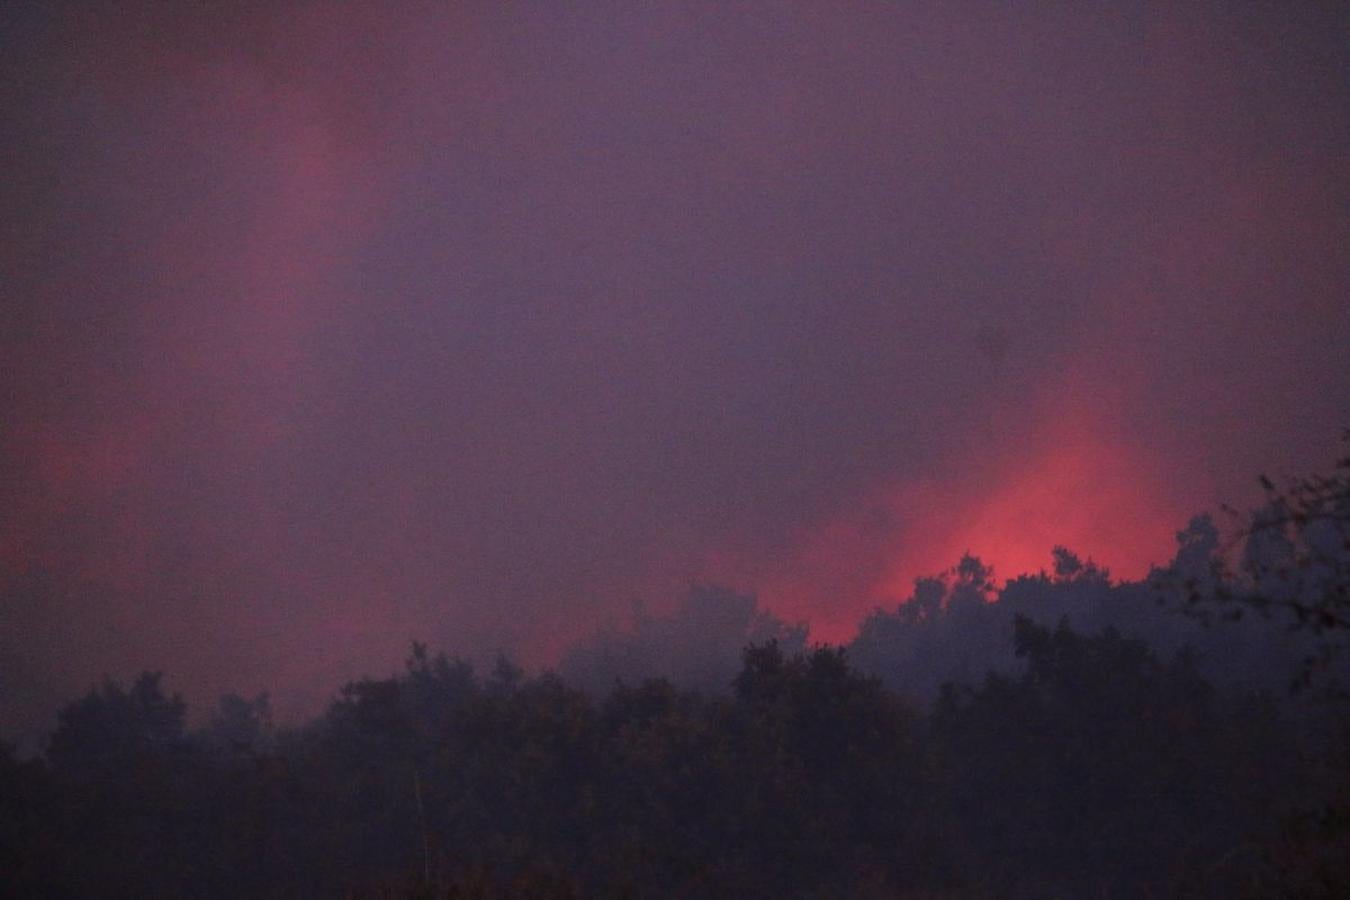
(1078, 490)
(1079, 479)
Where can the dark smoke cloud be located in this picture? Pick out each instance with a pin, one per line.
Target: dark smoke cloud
(329, 326)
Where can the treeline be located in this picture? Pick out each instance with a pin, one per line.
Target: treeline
(1097, 770)
(957, 625)
(1063, 735)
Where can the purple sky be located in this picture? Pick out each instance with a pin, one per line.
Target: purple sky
(324, 327)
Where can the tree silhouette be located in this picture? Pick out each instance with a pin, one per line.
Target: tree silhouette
(1294, 567)
(1100, 763)
(110, 726)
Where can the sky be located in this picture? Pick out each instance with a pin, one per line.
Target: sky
(325, 327)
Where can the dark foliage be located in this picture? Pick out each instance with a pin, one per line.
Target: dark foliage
(1102, 769)
(1062, 759)
(1097, 766)
(1293, 570)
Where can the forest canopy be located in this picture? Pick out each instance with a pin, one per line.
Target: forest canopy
(1063, 734)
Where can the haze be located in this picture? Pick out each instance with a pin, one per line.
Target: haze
(324, 327)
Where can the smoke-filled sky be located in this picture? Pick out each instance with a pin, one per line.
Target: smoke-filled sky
(327, 326)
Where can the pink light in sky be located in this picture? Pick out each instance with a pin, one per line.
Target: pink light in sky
(339, 327)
